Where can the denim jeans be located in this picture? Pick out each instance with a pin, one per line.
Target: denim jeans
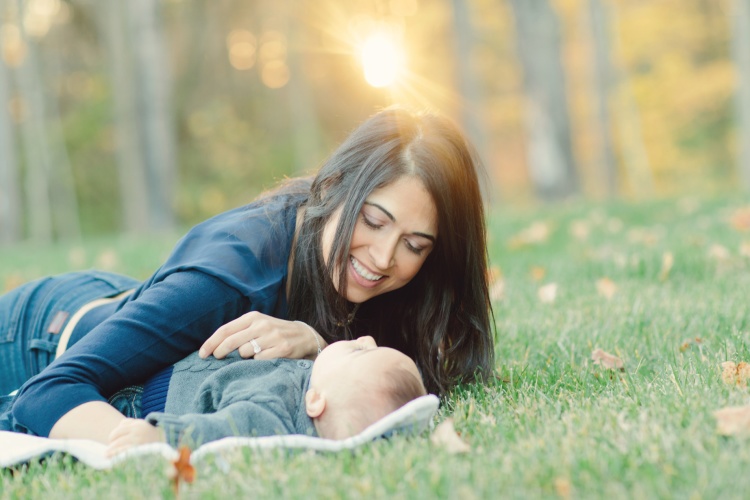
(28, 340)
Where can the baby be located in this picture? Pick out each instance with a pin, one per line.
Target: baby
(351, 385)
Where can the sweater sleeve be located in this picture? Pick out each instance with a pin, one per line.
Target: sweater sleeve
(169, 320)
(242, 418)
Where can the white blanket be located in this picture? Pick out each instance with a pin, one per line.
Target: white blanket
(413, 417)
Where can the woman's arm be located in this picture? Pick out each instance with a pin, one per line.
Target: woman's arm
(94, 420)
(167, 322)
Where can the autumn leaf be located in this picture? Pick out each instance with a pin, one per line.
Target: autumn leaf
(606, 288)
(688, 343)
(733, 420)
(606, 360)
(548, 293)
(580, 229)
(538, 273)
(740, 219)
(535, 234)
(735, 373)
(446, 437)
(496, 284)
(181, 470)
(718, 252)
(667, 261)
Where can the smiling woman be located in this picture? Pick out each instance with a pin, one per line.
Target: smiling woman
(388, 241)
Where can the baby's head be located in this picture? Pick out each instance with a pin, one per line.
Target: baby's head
(355, 383)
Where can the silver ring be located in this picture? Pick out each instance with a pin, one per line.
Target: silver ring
(256, 346)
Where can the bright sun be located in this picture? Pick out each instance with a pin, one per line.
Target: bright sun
(382, 60)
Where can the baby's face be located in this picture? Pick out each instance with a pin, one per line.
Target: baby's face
(348, 362)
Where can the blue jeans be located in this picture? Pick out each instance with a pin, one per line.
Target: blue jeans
(28, 339)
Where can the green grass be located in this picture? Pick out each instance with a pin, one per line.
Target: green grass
(552, 424)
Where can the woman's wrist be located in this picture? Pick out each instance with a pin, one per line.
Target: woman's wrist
(318, 345)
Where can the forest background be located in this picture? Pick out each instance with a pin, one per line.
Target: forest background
(146, 115)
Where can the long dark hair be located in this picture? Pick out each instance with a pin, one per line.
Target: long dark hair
(442, 317)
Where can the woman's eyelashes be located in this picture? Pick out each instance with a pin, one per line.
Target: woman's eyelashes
(372, 224)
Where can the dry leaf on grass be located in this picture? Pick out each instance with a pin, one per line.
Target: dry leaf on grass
(667, 261)
(538, 273)
(535, 234)
(607, 360)
(606, 288)
(580, 229)
(735, 373)
(446, 437)
(718, 252)
(733, 421)
(688, 343)
(740, 219)
(496, 284)
(181, 470)
(548, 293)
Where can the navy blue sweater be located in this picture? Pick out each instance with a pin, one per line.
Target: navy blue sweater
(224, 267)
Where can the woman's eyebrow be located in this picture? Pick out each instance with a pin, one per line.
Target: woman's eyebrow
(390, 216)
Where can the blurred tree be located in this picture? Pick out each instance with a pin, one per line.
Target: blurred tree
(550, 151)
(10, 203)
(599, 22)
(51, 199)
(154, 108)
(128, 149)
(469, 88)
(741, 47)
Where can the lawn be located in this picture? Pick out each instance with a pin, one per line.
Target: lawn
(664, 286)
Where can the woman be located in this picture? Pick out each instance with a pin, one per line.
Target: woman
(388, 240)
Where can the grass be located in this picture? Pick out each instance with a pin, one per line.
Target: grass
(553, 424)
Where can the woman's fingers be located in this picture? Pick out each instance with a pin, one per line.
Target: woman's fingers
(227, 332)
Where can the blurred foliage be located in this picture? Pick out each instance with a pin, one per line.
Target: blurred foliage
(236, 98)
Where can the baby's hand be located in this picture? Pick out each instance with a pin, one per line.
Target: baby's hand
(132, 432)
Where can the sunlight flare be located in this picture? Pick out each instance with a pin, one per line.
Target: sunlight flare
(382, 60)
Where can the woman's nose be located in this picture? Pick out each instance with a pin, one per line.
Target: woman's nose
(382, 254)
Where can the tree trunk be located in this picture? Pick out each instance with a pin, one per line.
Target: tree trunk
(128, 150)
(741, 52)
(154, 106)
(470, 91)
(551, 163)
(10, 202)
(599, 22)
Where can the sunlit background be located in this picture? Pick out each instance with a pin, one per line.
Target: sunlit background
(143, 115)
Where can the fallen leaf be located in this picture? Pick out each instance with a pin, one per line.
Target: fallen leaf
(688, 343)
(606, 288)
(107, 260)
(446, 437)
(12, 281)
(580, 229)
(718, 252)
(181, 470)
(536, 233)
(538, 273)
(735, 373)
(496, 284)
(563, 487)
(733, 420)
(548, 293)
(740, 219)
(606, 360)
(667, 261)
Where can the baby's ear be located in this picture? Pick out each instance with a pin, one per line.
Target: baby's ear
(315, 403)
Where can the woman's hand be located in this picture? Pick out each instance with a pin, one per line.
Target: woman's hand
(263, 337)
(132, 432)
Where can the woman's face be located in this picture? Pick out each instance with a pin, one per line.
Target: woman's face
(395, 232)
